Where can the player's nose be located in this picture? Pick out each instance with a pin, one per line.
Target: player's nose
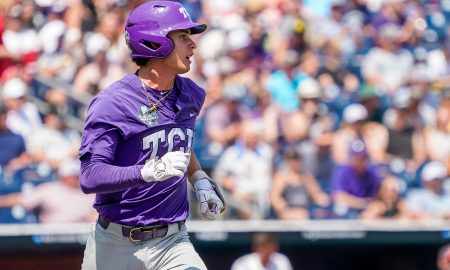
(192, 44)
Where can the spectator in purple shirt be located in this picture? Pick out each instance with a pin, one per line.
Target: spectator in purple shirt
(354, 184)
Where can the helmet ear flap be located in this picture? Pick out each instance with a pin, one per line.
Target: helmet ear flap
(160, 47)
(151, 45)
(148, 45)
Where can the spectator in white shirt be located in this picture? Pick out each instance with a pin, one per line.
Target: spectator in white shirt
(265, 255)
(245, 171)
(23, 116)
(431, 201)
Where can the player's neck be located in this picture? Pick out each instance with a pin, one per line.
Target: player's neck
(156, 80)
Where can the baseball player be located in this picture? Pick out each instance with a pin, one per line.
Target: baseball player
(136, 150)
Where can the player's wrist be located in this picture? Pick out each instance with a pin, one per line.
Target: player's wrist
(203, 184)
(200, 179)
(148, 172)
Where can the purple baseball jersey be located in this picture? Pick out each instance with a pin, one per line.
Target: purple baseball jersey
(121, 127)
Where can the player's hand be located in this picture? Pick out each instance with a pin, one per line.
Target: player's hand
(210, 198)
(170, 165)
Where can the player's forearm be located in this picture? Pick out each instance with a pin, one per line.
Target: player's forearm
(97, 176)
(194, 166)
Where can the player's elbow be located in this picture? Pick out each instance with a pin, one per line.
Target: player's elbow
(87, 187)
(88, 172)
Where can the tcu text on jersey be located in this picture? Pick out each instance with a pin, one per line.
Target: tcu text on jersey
(153, 141)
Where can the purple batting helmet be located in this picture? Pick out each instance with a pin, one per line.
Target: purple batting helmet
(149, 23)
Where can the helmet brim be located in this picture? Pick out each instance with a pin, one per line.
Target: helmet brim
(195, 28)
(199, 28)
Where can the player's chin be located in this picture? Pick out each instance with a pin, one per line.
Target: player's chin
(184, 69)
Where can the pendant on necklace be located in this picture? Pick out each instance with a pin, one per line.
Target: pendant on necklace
(154, 107)
(149, 115)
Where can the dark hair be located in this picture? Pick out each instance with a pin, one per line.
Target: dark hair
(140, 61)
(290, 153)
(264, 239)
(3, 109)
(442, 251)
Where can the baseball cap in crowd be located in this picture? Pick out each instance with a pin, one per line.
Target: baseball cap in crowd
(50, 3)
(402, 98)
(367, 91)
(69, 167)
(233, 92)
(291, 58)
(96, 43)
(338, 2)
(355, 112)
(389, 31)
(309, 88)
(14, 88)
(354, 20)
(433, 170)
(212, 44)
(238, 39)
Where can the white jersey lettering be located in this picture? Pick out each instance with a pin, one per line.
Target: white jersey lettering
(154, 140)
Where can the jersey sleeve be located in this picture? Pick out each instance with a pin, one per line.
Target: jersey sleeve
(103, 128)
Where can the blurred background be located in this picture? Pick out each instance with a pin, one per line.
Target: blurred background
(326, 123)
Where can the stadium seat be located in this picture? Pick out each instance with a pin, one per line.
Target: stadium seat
(16, 214)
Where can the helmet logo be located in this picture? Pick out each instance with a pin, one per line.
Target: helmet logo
(160, 9)
(183, 11)
(127, 38)
(127, 41)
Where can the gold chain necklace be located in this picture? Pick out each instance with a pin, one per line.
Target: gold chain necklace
(153, 107)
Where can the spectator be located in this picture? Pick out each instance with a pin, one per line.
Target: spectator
(52, 200)
(431, 201)
(8, 58)
(265, 255)
(54, 142)
(443, 258)
(62, 55)
(20, 38)
(283, 82)
(222, 122)
(315, 149)
(387, 65)
(23, 116)
(295, 190)
(355, 127)
(310, 95)
(294, 127)
(13, 154)
(244, 171)
(370, 98)
(99, 73)
(355, 184)
(437, 137)
(405, 139)
(388, 204)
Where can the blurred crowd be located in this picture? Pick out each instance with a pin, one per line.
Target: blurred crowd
(314, 109)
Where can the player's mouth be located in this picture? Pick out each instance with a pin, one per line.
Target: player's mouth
(189, 58)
